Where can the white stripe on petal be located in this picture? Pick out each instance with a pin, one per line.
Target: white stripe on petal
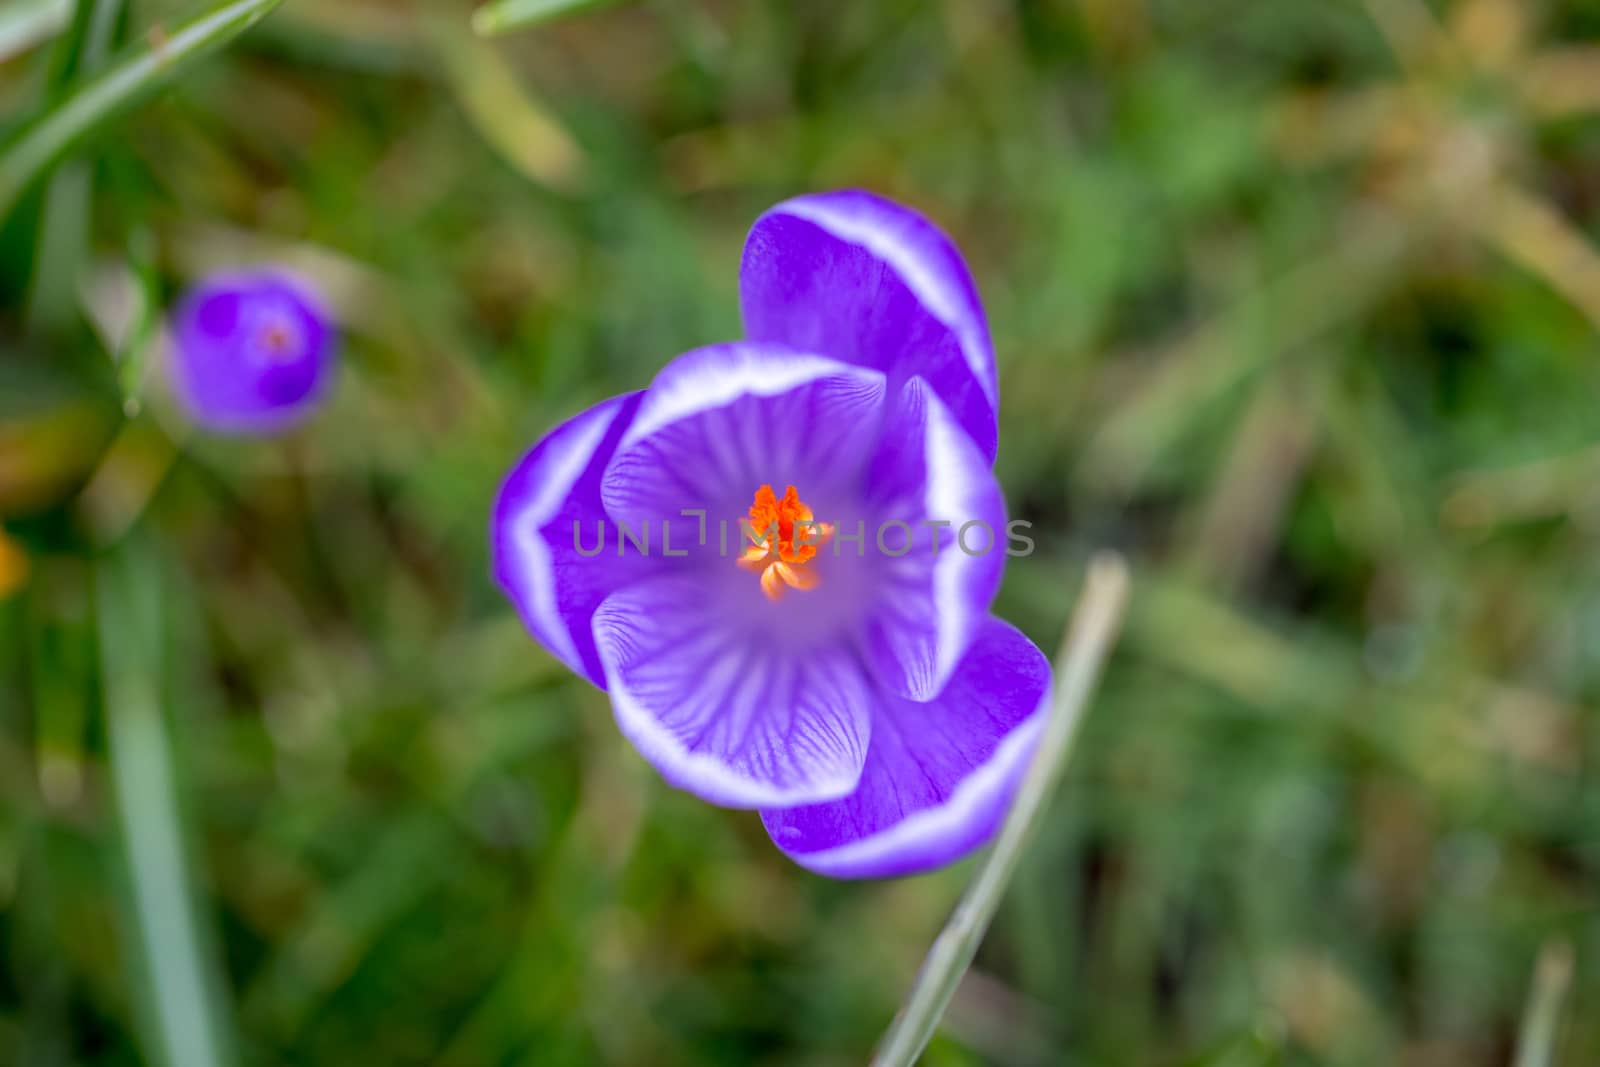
(720, 374)
(964, 812)
(928, 284)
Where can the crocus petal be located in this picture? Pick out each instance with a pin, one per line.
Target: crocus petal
(548, 507)
(719, 422)
(722, 711)
(860, 278)
(252, 351)
(930, 601)
(939, 775)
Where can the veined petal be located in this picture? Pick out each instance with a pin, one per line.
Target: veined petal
(719, 422)
(930, 601)
(548, 507)
(939, 775)
(722, 711)
(860, 278)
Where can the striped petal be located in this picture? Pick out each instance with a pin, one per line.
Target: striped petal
(939, 776)
(939, 547)
(719, 422)
(721, 709)
(861, 279)
(547, 522)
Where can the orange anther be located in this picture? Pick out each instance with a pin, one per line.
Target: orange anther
(783, 539)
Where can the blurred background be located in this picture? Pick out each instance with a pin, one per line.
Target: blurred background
(1295, 304)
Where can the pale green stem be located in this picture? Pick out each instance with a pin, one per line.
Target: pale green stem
(25, 23)
(1552, 974)
(1088, 642)
(178, 984)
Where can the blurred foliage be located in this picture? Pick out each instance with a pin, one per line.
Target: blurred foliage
(1295, 304)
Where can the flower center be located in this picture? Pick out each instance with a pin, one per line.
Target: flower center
(782, 539)
(276, 335)
(276, 338)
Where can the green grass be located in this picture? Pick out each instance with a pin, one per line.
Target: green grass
(1296, 307)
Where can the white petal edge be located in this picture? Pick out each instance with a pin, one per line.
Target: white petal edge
(575, 444)
(950, 455)
(957, 816)
(717, 375)
(925, 283)
(707, 777)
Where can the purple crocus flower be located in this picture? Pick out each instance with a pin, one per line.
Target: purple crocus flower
(795, 632)
(252, 351)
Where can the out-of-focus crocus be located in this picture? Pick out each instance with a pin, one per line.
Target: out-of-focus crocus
(803, 626)
(252, 351)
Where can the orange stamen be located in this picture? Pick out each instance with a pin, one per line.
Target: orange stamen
(783, 539)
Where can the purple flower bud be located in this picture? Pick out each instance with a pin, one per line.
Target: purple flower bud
(252, 351)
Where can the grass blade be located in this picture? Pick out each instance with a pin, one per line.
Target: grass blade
(86, 45)
(503, 16)
(26, 23)
(118, 90)
(179, 974)
(67, 210)
(1088, 643)
(514, 121)
(1552, 974)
